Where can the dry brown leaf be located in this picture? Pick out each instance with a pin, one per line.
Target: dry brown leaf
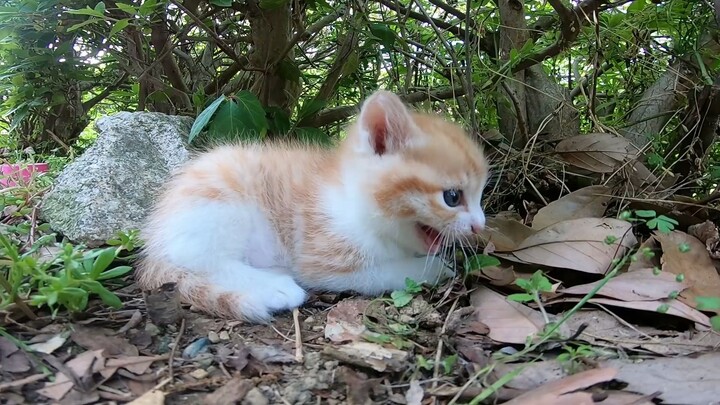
(98, 339)
(82, 365)
(675, 307)
(230, 393)
(135, 364)
(12, 359)
(155, 397)
(498, 275)
(695, 264)
(638, 285)
(708, 234)
(505, 233)
(50, 345)
(366, 354)
(358, 386)
(680, 380)
(596, 152)
(562, 390)
(626, 398)
(578, 244)
(344, 321)
(509, 322)
(587, 202)
(605, 330)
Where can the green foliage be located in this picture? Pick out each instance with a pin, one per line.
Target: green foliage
(63, 281)
(662, 223)
(537, 284)
(710, 304)
(479, 261)
(403, 297)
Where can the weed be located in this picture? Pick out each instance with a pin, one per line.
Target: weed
(403, 297)
(537, 284)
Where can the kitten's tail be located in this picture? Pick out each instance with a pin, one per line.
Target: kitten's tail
(192, 288)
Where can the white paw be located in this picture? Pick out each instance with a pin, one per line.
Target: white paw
(284, 294)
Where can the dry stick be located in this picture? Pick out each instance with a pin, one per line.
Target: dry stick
(438, 352)
(298, 336)
(171, 375)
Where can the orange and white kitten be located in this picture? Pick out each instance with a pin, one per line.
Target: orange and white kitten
(246, 230)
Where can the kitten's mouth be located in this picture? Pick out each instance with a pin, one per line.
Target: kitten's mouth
(430, 237)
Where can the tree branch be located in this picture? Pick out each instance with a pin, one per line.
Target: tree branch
(336, 114)
(311, 30)
(486, 44)
(570, 23)
(87, 105)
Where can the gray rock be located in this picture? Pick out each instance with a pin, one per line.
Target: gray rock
(111, 187)
(255, 397)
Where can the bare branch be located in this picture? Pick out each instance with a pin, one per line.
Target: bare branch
(336, 114)
(311, 30)
(220, 43)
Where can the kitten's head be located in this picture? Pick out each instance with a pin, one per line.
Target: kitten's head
(428, 175)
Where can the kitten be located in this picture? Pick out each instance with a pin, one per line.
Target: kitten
(246, 230)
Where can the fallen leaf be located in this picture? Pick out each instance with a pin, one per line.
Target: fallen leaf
(12, 359)
(230, 393)
(345, 321)
(50, 345)
(694, 263)
(674, 307)
(587, 202)
(358, 386)
(96, 339)
(577, 244)
(134, 321)
(21, 382)
(509, 321)
(680, 380)
(626, 398)
(82, 366)
(505, 233)
(605, 330)
(135, 364)
(561, 391)
(638, 285)
(498, 275)
(371, 355)
(414, 394)
(708, 234)
(596, 152)
(163, 305)
(155, 397)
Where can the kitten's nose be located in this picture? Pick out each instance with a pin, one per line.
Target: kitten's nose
(476, 228)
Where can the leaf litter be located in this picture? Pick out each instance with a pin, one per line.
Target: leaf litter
(641, 337)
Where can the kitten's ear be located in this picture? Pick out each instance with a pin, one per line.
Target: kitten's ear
(385, 122)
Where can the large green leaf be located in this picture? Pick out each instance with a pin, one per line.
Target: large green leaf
(242, 117)
(204, 117)
(383, 33)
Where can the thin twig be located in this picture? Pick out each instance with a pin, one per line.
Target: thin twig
(298, 336)
(171, 375)
(438, 352)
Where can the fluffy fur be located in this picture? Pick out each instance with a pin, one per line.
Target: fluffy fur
(246, 230)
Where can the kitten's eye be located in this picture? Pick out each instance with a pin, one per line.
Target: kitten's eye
(452, 197)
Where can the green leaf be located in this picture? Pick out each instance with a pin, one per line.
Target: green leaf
(707, 303)
(278, 121)
(412, 286)
(272, 4)
(119, 26)
(114, 273)
(522, 297)
(126, 8)
(524, 284)
(102, 262)
(646, 213)
(242, 117)
(715, 323)
(383, 33)
(312, 135)
(221, 3)
(204, 117)
(100, 7)
(401, 298)
(480, 261)
(636, 6)
(449, 363)
(86, 11)
(105, 295)
(288, 70)
(82, 24)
